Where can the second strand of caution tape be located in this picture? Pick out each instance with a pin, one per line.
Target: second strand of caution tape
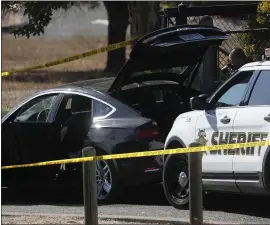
(75, 57)
(143, 154)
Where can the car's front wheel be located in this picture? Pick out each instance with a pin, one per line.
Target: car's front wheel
(175, 180)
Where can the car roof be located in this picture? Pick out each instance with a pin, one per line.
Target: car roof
(102, 85)
(99, 84)
(258, 65)
(95, 88)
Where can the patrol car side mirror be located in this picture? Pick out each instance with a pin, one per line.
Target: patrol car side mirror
(199, 102)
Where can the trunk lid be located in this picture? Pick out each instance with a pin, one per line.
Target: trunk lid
(174, 47)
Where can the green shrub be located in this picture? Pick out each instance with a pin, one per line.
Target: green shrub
(255, 42)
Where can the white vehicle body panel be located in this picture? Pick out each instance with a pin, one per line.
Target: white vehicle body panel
(243, 167)
(210, 122)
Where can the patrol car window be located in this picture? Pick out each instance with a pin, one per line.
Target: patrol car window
(261, 90)
(236, 89)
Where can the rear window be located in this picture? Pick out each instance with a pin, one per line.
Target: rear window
(100, 109)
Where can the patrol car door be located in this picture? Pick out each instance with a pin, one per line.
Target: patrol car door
(252, 123)
(216, 126)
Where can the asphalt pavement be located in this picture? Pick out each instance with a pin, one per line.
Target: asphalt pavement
(146, 201)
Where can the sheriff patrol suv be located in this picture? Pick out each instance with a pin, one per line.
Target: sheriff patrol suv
(239, 111)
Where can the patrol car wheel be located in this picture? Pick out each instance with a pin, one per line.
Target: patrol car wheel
(267, 173)
(175, 181)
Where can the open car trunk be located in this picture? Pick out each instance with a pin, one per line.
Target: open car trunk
(160, 101)
(157, 79)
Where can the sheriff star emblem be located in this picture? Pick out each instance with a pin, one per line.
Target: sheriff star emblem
(201, 137)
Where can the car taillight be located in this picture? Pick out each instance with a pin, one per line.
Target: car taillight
(148, 133)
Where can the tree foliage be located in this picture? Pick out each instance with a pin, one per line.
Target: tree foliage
(255, 42)
(39, 13)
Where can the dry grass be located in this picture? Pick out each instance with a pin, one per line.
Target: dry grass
(22, 52)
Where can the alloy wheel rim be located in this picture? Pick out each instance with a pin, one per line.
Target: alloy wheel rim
(104, 179)
(179, 182)
(182, 190)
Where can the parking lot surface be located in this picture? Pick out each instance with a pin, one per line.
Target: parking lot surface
(146, 201)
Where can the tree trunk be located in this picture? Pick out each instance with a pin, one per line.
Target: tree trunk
(118, 23)
(144, 17)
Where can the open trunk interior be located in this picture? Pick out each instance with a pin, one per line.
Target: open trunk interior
(161, 101)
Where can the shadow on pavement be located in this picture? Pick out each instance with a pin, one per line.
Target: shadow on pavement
(148, 195)
(239, 204)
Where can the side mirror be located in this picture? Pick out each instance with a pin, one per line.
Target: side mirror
(199, 102)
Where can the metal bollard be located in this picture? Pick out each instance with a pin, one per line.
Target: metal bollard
(90, 188)
(195, 187)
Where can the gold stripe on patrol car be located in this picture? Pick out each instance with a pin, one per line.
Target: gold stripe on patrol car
(142, 154)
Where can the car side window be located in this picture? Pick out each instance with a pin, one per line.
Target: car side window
(235, 90)
(72, 104)
(100, 109)
(261, 91)
(36, 110)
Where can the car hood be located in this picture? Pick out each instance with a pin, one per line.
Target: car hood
(170, 47)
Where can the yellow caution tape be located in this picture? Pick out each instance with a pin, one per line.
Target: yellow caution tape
(143, 154)
(74, 57)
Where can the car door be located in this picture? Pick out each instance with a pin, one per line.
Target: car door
(37, 135)
(74, 116)
(215, 127)
(10, 154)
(252, 123)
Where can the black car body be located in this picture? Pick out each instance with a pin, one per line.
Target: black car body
(134, 113)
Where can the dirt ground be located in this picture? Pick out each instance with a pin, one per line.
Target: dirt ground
(54, 220)
(22, 52)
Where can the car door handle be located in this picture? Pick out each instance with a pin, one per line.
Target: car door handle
(267, 118)
(225, 120)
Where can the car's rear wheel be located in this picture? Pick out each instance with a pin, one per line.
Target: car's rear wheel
(107, 180)
(175, 181)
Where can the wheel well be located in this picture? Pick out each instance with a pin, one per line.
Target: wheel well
(103, 152)
(173, 144)
(266, 171)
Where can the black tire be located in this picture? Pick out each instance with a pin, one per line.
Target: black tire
(176, 194)
(266, 173)
(115, 186)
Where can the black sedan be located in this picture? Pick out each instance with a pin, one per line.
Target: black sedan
(133, 112)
